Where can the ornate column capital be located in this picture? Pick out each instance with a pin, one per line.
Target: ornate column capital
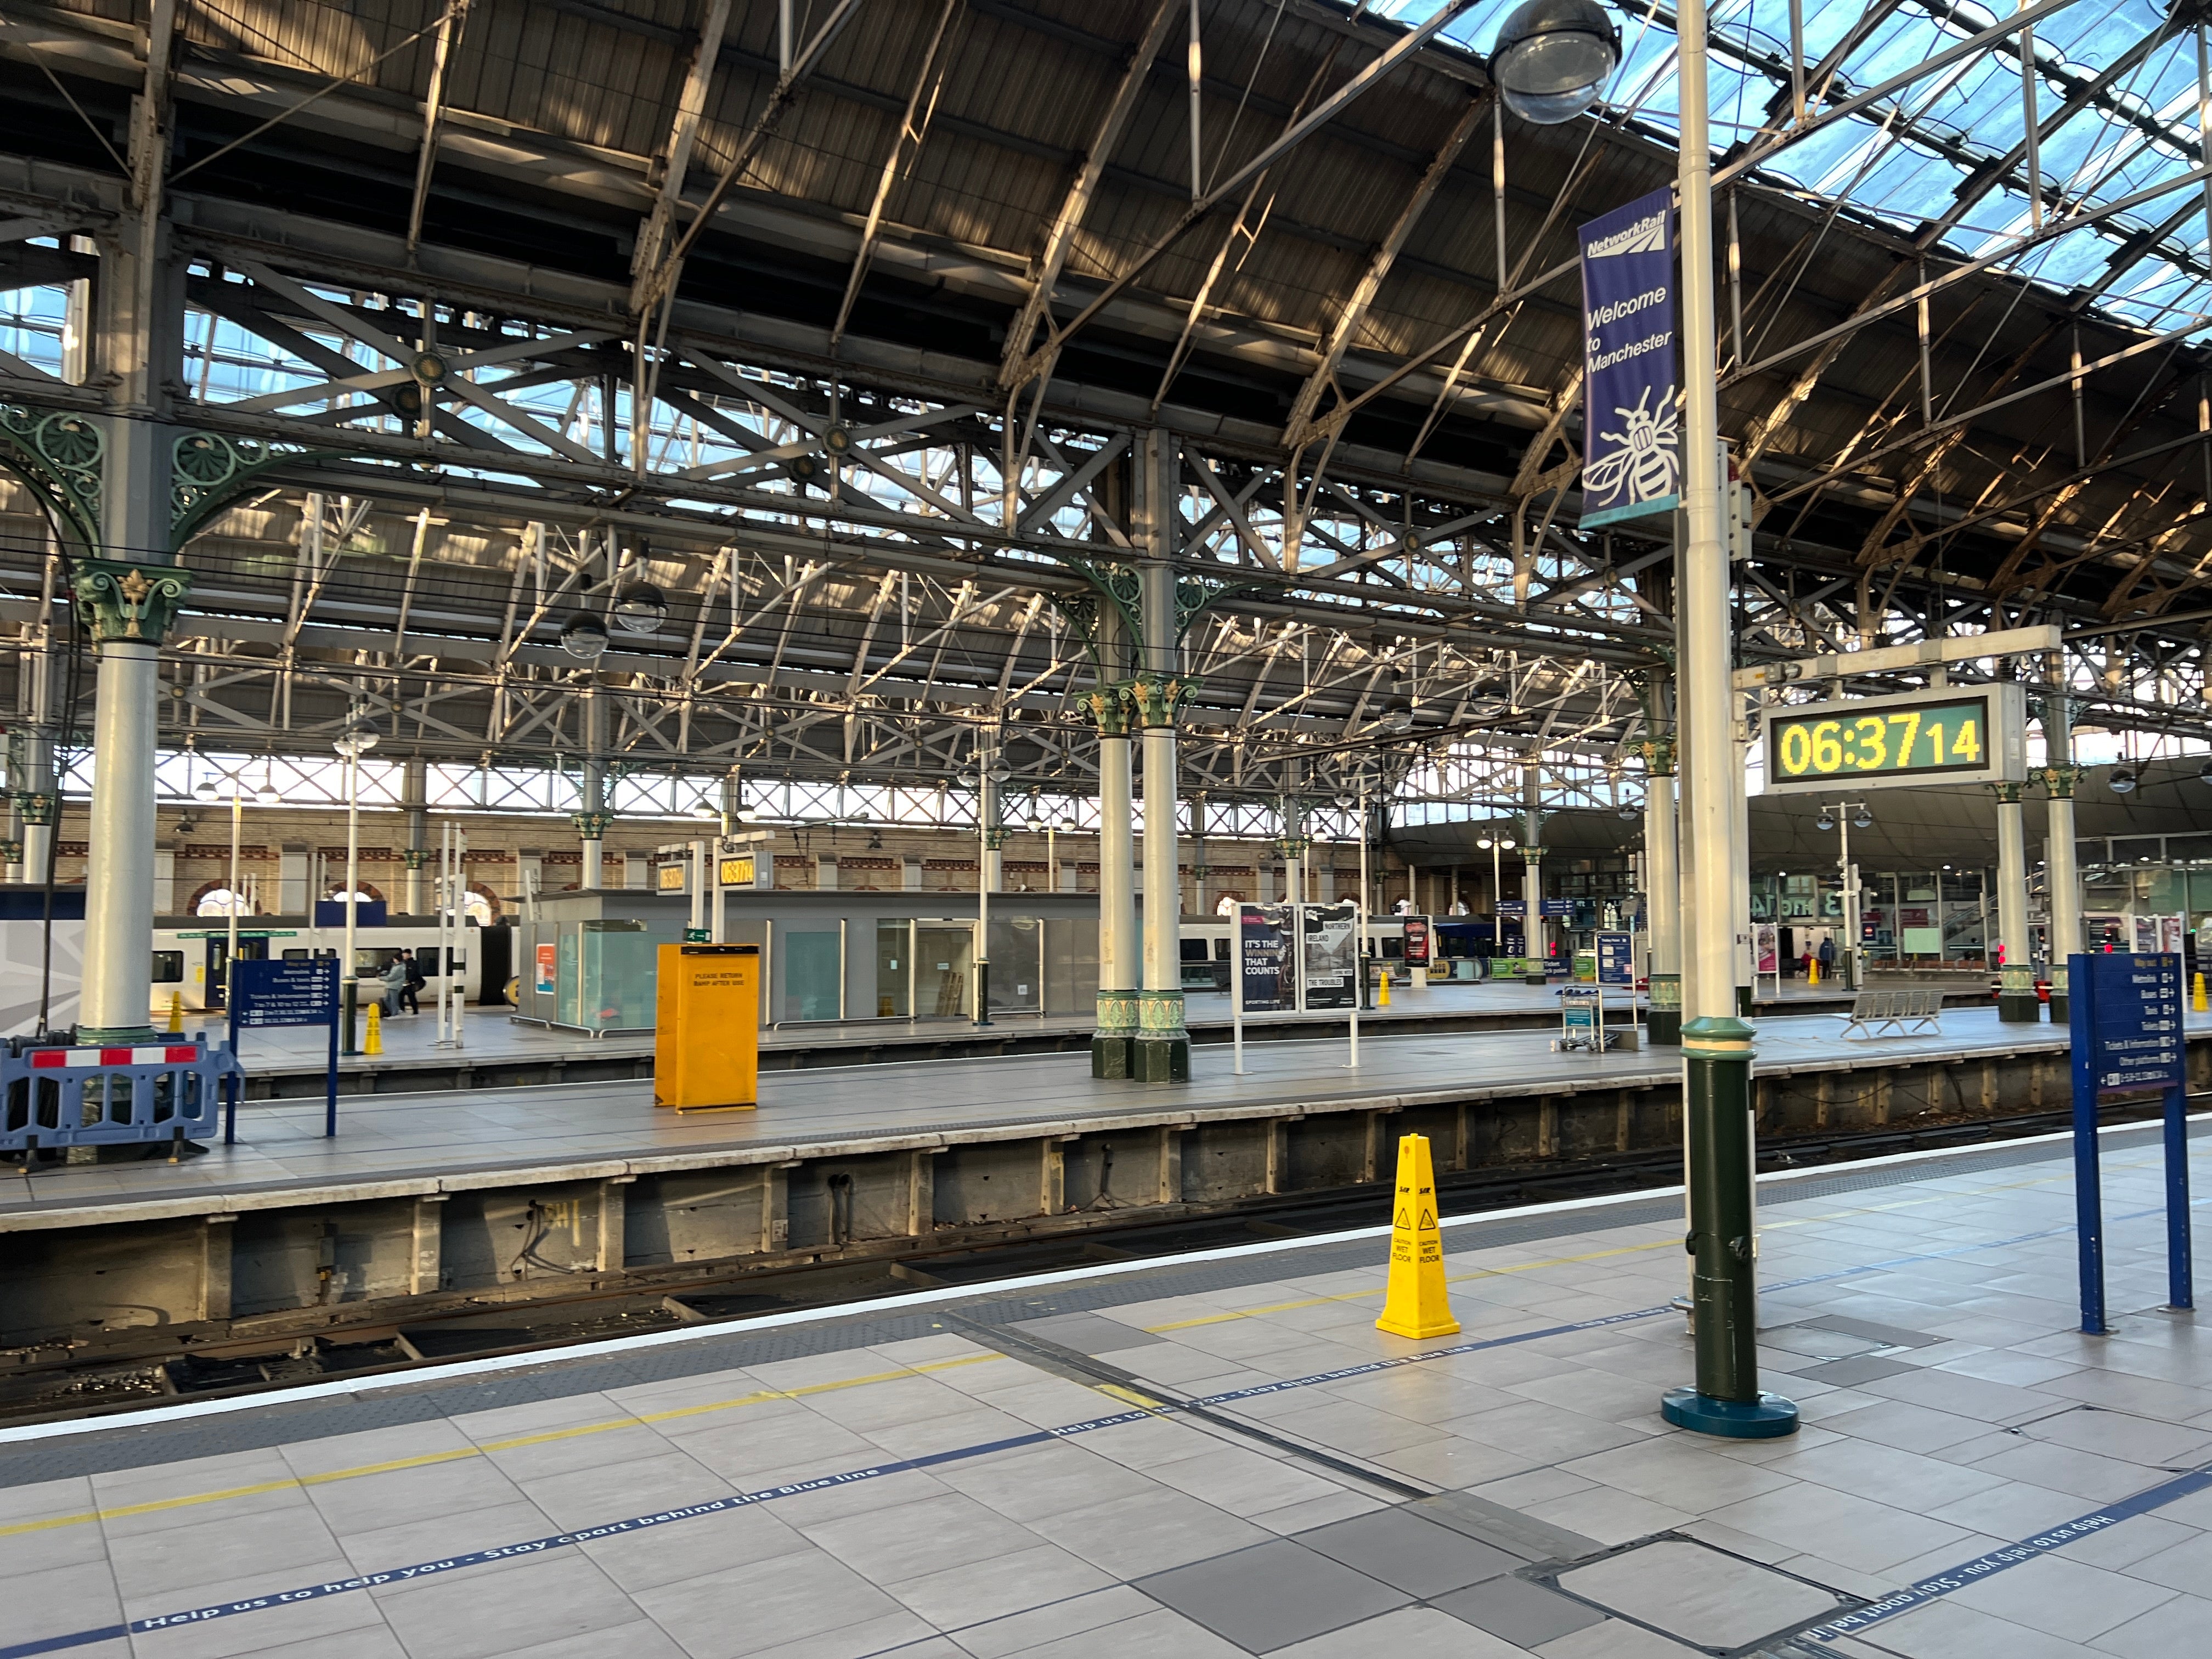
(414, 858)
(592, 826)
(128, 601)
(2058, 780)
(2008, 794)
(1658, 755)
(1108, 709)
(994, 838)
(1532, 853)
(39, 806)
(1157, 698)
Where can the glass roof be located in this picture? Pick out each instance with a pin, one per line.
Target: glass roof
(2115, 106)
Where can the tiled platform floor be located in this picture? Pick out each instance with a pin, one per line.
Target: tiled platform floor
(957, 1481)
(281, 1143)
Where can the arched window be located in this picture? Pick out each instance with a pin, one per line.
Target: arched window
(219, 902)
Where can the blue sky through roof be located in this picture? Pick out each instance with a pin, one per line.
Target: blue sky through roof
(1901, 163)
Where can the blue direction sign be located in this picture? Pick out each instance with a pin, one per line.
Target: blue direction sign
(1513, 906)
(1558, 906)
(296, 993)
(1616, 960)
(2127, 1030)
(285, 993)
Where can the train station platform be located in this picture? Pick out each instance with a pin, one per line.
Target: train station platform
(388, 1145)
(498, 1050)
(1218, 1454)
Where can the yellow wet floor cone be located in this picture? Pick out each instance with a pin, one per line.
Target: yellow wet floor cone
(373, 1042)
(177, 1007)
(1382, 997)
(2199, 1001)
(1415, 1304)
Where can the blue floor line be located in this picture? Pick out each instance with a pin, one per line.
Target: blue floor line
(1904, 1600)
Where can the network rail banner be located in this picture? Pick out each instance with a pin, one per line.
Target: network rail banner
(1631, 432)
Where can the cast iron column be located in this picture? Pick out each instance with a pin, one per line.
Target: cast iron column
(1663, 892)
(1162, 1046)
(1535, 968)
(1717, 1098)
(1116, 1033)
(2016, 1003)
(129, 607)
(2059, 862)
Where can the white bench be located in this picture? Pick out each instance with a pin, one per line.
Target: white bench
(1896, 1013)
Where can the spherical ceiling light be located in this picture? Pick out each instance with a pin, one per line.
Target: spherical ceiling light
(356, 739)
(1863, 821)
(1826, 821)
(1629, 810)
(705, 807)
(2122, 780)
(205, 789)
(1485, 843)
(267, 795)
(2204, 774)
(584, 636)
(639, 609)
(1552, 57)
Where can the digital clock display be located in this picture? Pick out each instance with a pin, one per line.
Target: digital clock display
(1938, 737)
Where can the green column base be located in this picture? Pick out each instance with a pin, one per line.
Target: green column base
(1767, 1418)
(1111, 1045)
(1161, 1052)
(1664, 1026)
(2014, 1009)
(1160, 1060)
(2062, 1012)
(1534, 976)
(115, 1036)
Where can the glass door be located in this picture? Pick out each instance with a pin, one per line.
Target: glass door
(943, 969)
(894, 968)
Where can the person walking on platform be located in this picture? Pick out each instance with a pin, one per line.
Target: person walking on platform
(395, 985)
(411, 991)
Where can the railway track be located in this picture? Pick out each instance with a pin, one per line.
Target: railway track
(121, 1371)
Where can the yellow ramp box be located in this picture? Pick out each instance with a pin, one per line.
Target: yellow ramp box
(706, 1042)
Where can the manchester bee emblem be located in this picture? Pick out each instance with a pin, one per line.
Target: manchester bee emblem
(1645, 461)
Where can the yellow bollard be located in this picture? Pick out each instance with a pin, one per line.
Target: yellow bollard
(177, 1008)
(1812, 972)
(2199, 1002)
(373, 1042)
(1415, 1303)
(1382, 995)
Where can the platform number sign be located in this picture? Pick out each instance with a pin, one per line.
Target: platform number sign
(1942, 736)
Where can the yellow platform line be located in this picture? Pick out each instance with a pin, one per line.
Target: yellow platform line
(643, 1419)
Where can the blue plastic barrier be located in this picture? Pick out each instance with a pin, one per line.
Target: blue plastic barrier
(79, 1096)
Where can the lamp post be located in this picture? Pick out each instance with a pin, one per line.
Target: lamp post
(1498, 846)
(1845, 816)
(359, 738)
(1552, 58)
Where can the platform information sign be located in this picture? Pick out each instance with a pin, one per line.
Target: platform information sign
(1616, 960)
(280, 993)
(1940, 735)
(2127, 1028)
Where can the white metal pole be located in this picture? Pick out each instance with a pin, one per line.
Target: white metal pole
(352, 878)
(237, 818)
(1236, 985)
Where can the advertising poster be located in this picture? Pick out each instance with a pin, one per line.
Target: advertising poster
(1331, 961)
(547, 956)
(1417, 941)
(1769, 949)
(1632, 438)
(1264, 957)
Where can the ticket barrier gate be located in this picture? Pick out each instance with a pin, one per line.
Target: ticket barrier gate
(55, 1095)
